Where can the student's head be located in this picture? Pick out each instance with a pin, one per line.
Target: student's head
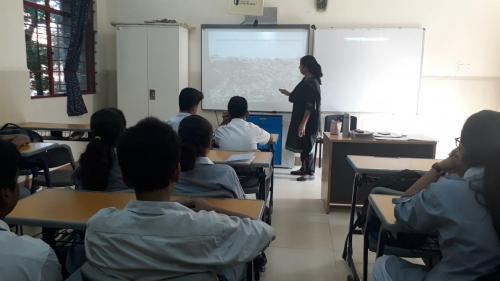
(310, 66)
(9, 191)
(195, 133)
(189, 100)
(238, 107)
(106, 126)
(480, 146)
(149, 156)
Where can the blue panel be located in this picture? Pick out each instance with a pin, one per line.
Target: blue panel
(274, 125)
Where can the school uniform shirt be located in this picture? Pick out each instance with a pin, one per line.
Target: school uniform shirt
(175, 121)
(453, 209)
(210, 180)
(23, 258)
(240, 135)
(160, 240)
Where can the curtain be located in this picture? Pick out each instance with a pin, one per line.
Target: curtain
(80, 10)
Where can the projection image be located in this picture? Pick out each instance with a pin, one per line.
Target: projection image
(253, 63)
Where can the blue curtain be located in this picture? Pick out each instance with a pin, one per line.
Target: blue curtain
(80, 10)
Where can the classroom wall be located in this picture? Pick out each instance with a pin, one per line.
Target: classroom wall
(15, 102)
(461, 72)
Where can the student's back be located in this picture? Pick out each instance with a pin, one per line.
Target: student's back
(99, 169)
(200, 176)
(22, 258)
(154, 238)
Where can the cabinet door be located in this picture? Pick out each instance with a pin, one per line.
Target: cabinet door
(132, 73)
(163, 69)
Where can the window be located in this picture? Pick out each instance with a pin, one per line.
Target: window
(47, 28)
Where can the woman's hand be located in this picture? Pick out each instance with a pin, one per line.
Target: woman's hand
(302, 130)
(284, 92)
(454, 163)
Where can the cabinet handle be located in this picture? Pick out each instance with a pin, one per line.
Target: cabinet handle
(152, 94)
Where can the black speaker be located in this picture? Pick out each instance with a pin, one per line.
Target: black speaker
(321, 5)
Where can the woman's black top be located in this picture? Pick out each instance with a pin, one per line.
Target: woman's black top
(305, 96)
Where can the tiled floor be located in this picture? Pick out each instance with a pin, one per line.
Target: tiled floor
(309, 242)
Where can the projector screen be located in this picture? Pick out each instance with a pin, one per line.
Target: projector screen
(370, 69)
(253, 63)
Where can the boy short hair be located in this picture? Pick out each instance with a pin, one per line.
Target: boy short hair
(9, 165)
(149, 155)
(188, 98)
(237, 107)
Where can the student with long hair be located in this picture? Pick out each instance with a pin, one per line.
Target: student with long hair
(200, 176)
(99, 169)
(463, 212)
(304, 124)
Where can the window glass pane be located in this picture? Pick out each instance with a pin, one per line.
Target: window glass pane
(61, 5)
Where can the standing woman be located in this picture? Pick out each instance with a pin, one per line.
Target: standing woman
(304, 126)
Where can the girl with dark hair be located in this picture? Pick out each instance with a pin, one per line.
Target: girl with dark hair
(305, 121)
(99, 169)
(200, 176)
(464, 212)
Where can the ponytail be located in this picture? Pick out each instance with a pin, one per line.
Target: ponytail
(195, 133)
(95, 165)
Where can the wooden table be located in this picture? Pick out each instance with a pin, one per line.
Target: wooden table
(337, 174)
(34, 148)
(262, 159)
(56, 130)
(63, 208)
(384, 208)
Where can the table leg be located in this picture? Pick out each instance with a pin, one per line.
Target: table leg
(348, 251)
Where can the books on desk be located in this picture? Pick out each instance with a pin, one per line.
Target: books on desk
(245, 158)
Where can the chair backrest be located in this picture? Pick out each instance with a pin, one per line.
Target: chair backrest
(90, 273)
(13, 129)
(57, 156)
(339, 118)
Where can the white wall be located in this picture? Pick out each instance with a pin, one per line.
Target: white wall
(458, 32)
(15, 102)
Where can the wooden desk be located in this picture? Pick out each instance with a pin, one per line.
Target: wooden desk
(262, 159)
(337, 175)
(34, 148)
(63, 208)
(55, 126)
(384, 208)
(384, 165)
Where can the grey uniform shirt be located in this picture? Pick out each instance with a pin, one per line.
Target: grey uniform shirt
(23, 258)
(175, 121)
(210, 180)
(160, 240)
(467, 237)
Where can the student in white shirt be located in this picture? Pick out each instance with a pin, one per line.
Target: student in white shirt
(189, 104)
(22, 258)
(236, 134)
(200, 176)
(155, 238)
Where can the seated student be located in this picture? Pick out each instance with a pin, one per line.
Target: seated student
(21, 257)
(236, 134)
(189, 104)
(200, 175)
(155, 238)
(99, 169)
(464, 212)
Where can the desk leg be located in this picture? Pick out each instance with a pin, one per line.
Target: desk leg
(348, 251)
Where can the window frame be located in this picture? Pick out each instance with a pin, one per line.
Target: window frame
(89, 47)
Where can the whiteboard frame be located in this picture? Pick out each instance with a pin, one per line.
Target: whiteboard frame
(417, 107)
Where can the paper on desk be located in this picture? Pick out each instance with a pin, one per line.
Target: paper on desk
(241, 158)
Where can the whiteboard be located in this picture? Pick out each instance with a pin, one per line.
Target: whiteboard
(370, 69)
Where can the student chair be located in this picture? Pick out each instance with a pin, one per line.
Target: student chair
(13, 129)
(326, 128)
(56, 157)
